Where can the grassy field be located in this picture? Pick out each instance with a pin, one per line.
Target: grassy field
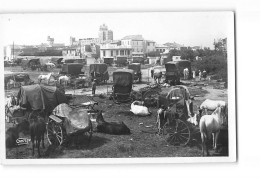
(143, 140)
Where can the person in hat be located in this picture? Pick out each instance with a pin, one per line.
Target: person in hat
(94, 85)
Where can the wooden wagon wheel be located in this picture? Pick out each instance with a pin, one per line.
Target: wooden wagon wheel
(55, 134)
(177, 133)
(151, 97)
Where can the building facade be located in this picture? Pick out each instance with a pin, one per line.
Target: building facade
(114, 51)
(161, 48)
(104, 33)
(136, 42)
(149, 46)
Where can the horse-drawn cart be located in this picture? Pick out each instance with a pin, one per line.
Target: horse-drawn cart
(62, 120)
(177, 105)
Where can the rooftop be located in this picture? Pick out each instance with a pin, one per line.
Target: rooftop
(173, 45)
(133, 37)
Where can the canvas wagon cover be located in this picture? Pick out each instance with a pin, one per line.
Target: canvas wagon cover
(39, 97)
(123, 77)
(135, 66)
(75, 119)
(72, 68)
(170, 67)
(100, 68)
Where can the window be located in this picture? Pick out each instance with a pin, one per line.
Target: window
(111, 53)
(104, 53)
(117, 52)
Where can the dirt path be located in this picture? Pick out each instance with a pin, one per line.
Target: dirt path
(217, 94)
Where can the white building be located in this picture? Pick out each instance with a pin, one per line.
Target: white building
(161, 48)
(113, 51)
(176, 58)
(136, 42)
(173, 46)
(149, 46)
(12, 51)
(71, 52)
(153, 60)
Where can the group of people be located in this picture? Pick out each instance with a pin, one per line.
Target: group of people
(202, 74)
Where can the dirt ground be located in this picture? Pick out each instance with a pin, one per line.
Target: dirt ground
(143, 140)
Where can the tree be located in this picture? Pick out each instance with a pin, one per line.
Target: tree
(172, 53)
(188, 54)
(153, 54)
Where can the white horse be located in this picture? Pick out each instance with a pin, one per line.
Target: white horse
(64, 79)
(210, 124)
(212, 105)
(45, 78)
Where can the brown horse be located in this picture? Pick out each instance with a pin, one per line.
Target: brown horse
(111, 127)
(37, 130)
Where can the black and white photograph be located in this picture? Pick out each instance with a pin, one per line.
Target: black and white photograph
(123, 87)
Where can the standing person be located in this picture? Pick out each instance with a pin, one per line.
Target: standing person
(152, 71)
(94, 85)
(199, 75)
(193, 74)
(204, 74)
(184, 73)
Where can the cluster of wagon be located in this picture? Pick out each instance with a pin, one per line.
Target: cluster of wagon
(65, 120)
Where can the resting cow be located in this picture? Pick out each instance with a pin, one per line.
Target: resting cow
(138, 109)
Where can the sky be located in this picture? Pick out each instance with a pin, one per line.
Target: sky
(189, 29)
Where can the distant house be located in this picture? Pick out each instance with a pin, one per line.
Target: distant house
(110, 52)
(173, 46)
(153, 60)
(70, 52)
(149, 46)
(195, 48)
(11, 51)
(161, 48)
(136, 42)
(176, 58)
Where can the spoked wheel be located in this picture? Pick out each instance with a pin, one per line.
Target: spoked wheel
(151, 97)
(177, 133)
(55, 134)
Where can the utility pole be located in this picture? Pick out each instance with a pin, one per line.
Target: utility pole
(13, 49)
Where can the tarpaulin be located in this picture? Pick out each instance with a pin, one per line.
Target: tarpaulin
(99, 69)
(39, 97)
(74, 119)
(123, 77)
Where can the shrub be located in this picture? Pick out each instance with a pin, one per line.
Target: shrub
(214, 65)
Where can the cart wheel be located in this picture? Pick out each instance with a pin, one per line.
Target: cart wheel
(89, 133)
(54, 133)
(177, 133)
(151, 96)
